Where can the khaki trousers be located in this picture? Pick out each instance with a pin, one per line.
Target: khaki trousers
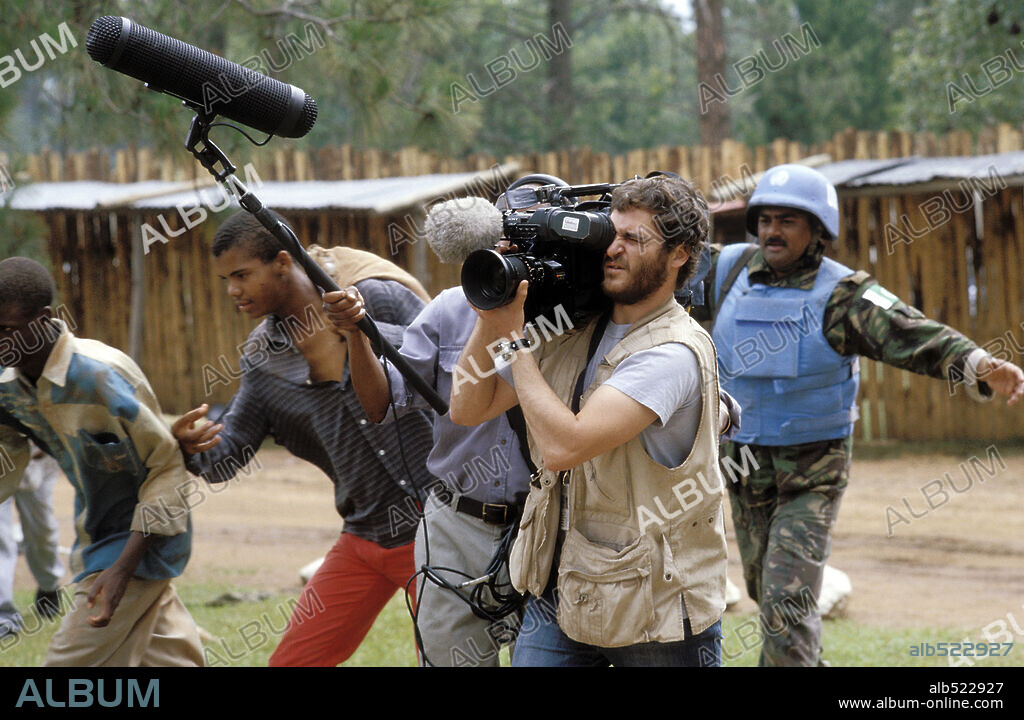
(149, 628)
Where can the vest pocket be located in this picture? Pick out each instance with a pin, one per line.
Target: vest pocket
(604, 595)
(534, 548)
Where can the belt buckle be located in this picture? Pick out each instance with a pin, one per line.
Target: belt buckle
(502, 508)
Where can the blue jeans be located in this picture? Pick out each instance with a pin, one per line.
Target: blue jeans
(542, 643)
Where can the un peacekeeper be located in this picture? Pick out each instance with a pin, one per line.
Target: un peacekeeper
(789, 325)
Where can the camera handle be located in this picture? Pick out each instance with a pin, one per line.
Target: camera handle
(209, 155)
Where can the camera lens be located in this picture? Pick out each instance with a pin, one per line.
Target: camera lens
(490, 279)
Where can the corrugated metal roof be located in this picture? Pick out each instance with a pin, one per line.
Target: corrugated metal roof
(847, 171)
(903, 175)
(926, 170)
(82, 195)
(380, 195)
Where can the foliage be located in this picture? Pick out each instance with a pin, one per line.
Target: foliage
(389, 73)
(72, 103)
(841, 84)
(23, 234)
(947, 41)
(383, 79)
(631, 81)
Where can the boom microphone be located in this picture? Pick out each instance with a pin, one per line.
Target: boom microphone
(455, 228)
(201, 78)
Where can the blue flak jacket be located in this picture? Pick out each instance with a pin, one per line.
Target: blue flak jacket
(773, 358)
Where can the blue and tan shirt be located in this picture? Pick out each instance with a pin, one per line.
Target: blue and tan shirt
(93, 410)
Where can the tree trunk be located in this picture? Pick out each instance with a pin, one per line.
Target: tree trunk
(560, 104)
(714, 118)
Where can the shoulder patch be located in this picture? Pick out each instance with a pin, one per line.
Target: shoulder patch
(858, 278)
(879, 296)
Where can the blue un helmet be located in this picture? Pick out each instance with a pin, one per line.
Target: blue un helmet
(799, 187)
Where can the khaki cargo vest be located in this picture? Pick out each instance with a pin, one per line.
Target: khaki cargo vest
(643, 539)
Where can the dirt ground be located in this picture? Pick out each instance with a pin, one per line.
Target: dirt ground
(961, 565)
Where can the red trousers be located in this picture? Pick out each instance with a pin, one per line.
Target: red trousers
(340, 602)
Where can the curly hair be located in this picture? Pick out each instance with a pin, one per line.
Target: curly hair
(25, 284)
(680, 214)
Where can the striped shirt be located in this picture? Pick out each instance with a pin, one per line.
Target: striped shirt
(324, 424)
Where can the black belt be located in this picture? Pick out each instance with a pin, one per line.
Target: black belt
(488, 512)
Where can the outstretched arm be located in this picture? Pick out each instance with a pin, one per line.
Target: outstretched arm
(863, 318)
(216, 452)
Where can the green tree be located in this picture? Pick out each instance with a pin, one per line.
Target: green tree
(964, 61)
(550, 74)
(836, 80)
(358, 69)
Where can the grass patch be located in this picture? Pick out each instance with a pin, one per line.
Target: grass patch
(245, 634)
(850, 644)
(896, 449)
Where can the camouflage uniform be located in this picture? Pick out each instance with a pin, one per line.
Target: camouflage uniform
(784, 511)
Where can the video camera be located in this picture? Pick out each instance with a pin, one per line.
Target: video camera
(559, 251)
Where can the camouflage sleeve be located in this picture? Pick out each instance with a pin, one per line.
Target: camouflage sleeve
(863, 318)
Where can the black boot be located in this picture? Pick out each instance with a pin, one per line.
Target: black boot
(47, 603)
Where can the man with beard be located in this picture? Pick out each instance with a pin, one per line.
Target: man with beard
(623, 422)
(789, 325)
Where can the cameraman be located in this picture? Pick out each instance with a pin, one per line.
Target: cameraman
(619, 423)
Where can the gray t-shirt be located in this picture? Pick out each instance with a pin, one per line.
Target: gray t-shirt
(665, 379)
